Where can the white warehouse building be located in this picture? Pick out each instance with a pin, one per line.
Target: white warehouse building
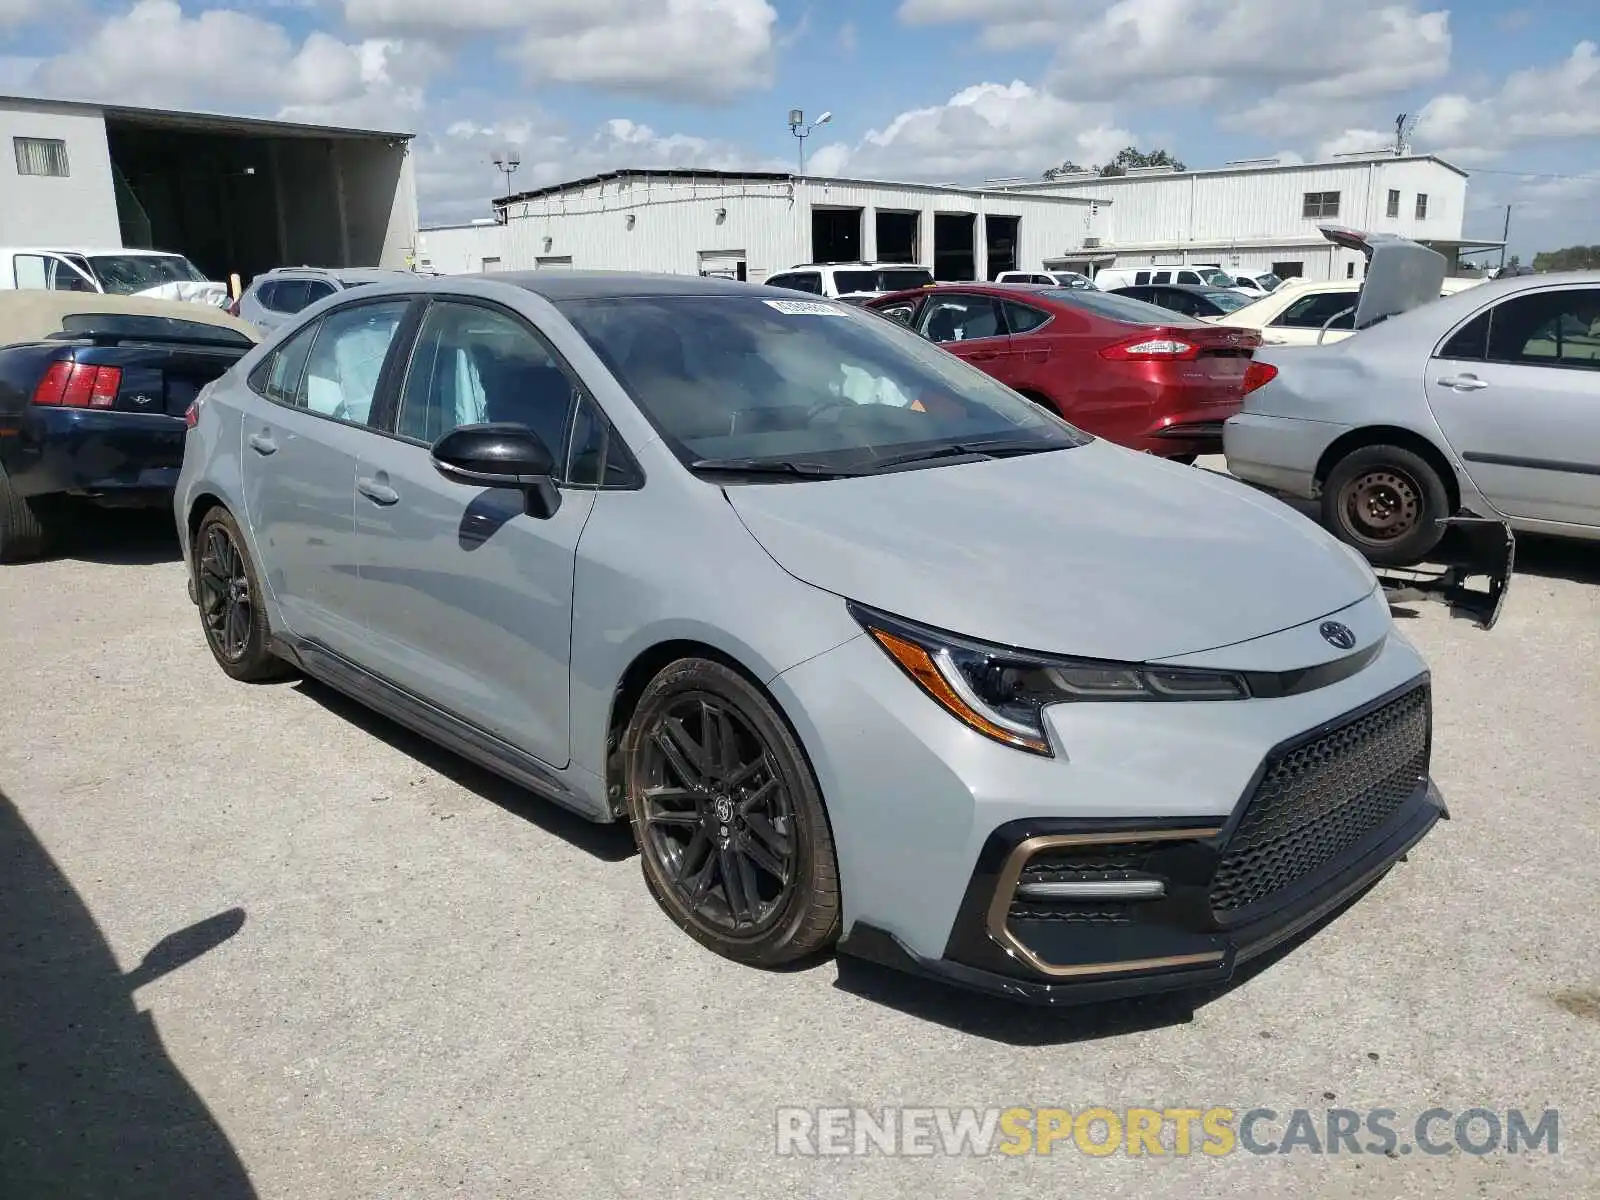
(752, 225)
(1245, 217)
(1262, 215)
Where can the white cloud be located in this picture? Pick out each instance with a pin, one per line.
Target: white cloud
(153, 54)
(1291, 65)
(702, 50)
(988, 130)
(1561, 100)
(19, 12)
(456, 179)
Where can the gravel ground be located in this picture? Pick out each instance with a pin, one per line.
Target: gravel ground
(394, 976)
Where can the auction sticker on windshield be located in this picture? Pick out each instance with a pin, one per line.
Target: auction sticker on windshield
(806, 308)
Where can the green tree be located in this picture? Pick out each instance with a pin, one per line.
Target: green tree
(1067, 168)
(1572, 258)
(1131, 157)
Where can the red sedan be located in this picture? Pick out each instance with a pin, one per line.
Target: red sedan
(1130, 372)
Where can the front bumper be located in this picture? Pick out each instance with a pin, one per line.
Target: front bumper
(935, 825)
(1177, 944)
(93, 452)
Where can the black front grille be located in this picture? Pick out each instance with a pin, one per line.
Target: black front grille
(1321, 799)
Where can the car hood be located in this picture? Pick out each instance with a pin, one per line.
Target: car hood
(1094, 551)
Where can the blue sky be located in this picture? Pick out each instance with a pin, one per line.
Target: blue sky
(923, 89)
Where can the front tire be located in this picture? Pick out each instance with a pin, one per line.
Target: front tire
(229, 596)
(732, 834)
(1387, 502)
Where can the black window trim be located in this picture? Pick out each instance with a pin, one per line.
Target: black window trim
(380, 416)
(580, 390)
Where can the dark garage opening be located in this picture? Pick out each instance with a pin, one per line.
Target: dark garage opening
(835, 235)
(953, 246)
(1000, 234)
(244, 196)
(898, 237)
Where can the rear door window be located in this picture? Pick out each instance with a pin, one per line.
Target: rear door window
(1313, 311)
(960, 318)
(1548, 329)
(287, 295)
(278, 377)
(799, 281)
(342, 372)
(1024, 318)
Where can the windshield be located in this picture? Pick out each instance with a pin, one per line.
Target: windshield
(1216, 279)
(897, 280)
(1269, 281)
(125, 274)
(1120, 308)
(1227, 301)
(742, 377)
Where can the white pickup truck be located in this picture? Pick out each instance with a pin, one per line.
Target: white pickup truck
(152, 273)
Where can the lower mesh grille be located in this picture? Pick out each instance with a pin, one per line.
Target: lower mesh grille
(1098, 863)
(1321, 799)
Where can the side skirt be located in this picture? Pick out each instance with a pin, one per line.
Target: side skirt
(434, 723)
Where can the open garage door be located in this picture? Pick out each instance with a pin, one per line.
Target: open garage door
(239, 195)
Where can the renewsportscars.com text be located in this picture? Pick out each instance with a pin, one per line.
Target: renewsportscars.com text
(1151, 1132)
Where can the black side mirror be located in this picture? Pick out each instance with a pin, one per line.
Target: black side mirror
(500, 456)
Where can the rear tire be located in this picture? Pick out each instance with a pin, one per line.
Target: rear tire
(1387, 502)
(22, 533)
(733, 837)
(229, 596)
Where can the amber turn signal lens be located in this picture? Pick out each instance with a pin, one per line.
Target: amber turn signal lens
(917, 663)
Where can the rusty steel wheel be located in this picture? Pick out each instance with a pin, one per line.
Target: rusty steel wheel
(1387, 502)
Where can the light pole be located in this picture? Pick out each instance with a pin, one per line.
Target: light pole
(507, 165)
(801, 131)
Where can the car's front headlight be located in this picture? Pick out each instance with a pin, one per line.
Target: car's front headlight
(1002, 693)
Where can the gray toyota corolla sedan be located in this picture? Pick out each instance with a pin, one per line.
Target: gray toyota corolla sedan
(867, 648)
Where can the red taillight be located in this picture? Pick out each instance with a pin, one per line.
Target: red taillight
(1153, 345)
(78, 385)
(191, 415)
(1258, 375)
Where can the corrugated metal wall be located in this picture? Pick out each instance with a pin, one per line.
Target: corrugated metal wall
(683, 226)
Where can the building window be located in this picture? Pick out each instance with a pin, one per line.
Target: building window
(1394, 202)
(1321, 204)
(1350, 270)
(1422, 206)
(40, 156)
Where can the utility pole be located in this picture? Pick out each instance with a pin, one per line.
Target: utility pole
(1504, 238)
(801, 131)
(507, 165)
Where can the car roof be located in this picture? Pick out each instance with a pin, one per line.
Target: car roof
(567, 284)
(1199, 289)
(856, 266)
(345, 274)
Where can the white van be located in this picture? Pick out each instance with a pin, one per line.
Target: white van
(117, 272)
(1120, 277)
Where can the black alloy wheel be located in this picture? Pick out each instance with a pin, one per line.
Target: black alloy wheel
(228, 594)
(730, 826)
(225, 601)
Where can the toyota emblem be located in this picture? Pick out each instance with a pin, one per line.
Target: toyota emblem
(1337, 635)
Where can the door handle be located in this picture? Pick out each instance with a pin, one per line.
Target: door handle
(1463, 383)
(378, 493)
(983, 356)
(262, 443)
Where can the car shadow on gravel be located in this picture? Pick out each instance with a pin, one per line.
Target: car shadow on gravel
(1016, 1023)
(130, 537)
(1555, 558)
(610, 843)
(90, 1104)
